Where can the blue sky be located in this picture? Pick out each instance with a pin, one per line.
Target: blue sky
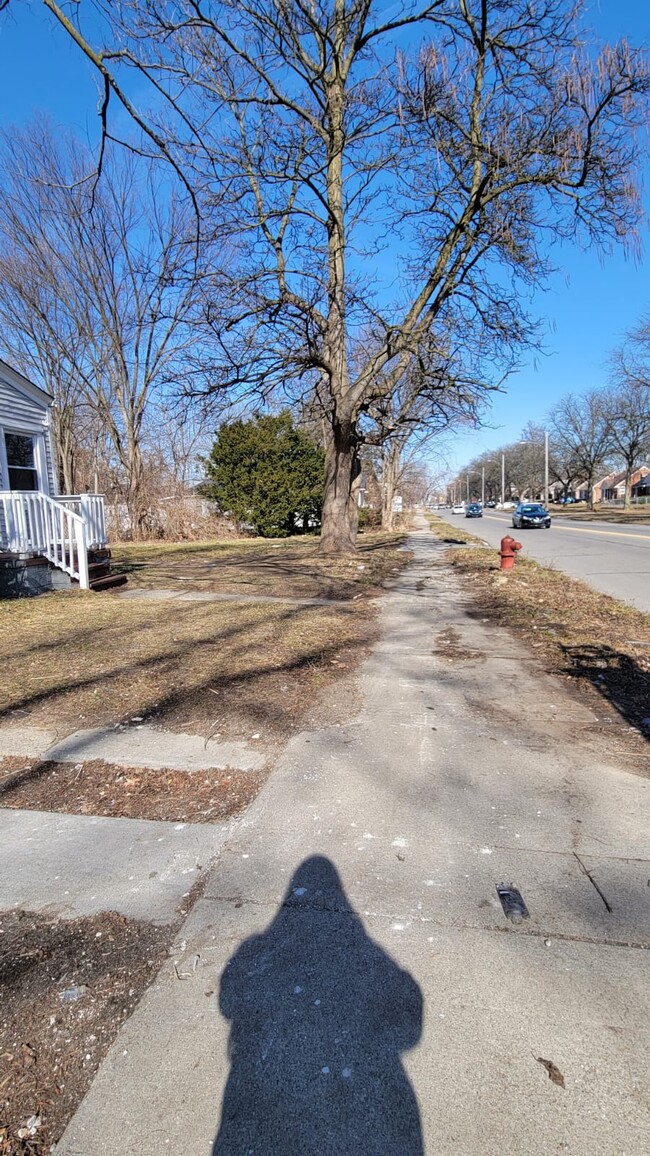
(586, 308)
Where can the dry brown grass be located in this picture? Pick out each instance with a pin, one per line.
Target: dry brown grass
(592, 638)
(74, 660)
(277, 568)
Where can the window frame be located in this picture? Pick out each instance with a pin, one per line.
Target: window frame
(37, 437)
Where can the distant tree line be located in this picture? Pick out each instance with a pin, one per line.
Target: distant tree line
(590, 435)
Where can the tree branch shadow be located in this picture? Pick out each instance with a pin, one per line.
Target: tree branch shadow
(618, 678)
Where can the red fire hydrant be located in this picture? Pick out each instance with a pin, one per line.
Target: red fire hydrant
(508, 552)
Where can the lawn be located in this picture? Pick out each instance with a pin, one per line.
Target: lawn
(615, 514)
(73, 660)
(290, 568)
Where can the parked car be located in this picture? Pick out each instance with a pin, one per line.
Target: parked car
(473, 510)
(530, 515)
(459, 508)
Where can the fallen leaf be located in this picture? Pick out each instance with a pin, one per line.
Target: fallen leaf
(554, 1072)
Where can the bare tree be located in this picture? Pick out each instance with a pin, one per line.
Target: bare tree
(101, 296)
(582, 429)
(629, 401)
(28, 313)
(630, 364)
(442, 142)
(628, 411)
(434, 396)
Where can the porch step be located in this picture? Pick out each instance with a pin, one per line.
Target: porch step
(100, 574)
(107, 581)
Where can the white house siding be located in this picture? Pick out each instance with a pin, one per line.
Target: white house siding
(25, 409)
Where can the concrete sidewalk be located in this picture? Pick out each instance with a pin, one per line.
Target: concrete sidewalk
(359, 988)
(49, 860)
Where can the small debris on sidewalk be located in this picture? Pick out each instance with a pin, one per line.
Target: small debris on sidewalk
(190, 968)
(554, 1072)
(512, 902)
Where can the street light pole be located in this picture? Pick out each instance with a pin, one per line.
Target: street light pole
(546, 495)
(503, 478)
(482, 485)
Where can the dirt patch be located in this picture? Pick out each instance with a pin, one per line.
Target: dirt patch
(100, 788)
(67, 988)
(448, 646)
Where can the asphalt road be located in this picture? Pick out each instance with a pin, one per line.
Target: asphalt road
(614, 559)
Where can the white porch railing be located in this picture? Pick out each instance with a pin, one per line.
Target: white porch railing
(90, 507)
(33, 523)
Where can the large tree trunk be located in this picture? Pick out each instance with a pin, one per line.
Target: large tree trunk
(338, 528)
(590, 492)
(627, 498)
(134, 498)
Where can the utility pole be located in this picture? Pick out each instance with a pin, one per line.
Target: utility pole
(482, 485)
(546, 497)
(503, 478)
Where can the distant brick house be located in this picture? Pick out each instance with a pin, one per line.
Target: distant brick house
(641, 488)
(611, 488)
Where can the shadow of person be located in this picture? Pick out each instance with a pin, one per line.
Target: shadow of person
(319, 1016)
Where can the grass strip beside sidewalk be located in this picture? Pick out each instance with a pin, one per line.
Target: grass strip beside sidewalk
(592, 638)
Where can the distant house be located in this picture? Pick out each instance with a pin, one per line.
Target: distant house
(611, 488)
(45, 538)
(641, 488)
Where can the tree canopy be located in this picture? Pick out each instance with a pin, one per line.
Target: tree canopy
(383, 176)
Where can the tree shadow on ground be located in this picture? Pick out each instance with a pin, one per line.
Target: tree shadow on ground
(618, 678)
(319, 1016)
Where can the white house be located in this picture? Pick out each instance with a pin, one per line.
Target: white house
(41, 531)
(26, 457)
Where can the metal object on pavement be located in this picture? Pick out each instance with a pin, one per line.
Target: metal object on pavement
(512, 902)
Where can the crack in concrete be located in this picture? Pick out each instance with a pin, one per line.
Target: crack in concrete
(594, 884)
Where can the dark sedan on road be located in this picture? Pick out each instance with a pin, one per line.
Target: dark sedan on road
(530, 515)
(473, 510)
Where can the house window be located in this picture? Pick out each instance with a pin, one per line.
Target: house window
(21, 461)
